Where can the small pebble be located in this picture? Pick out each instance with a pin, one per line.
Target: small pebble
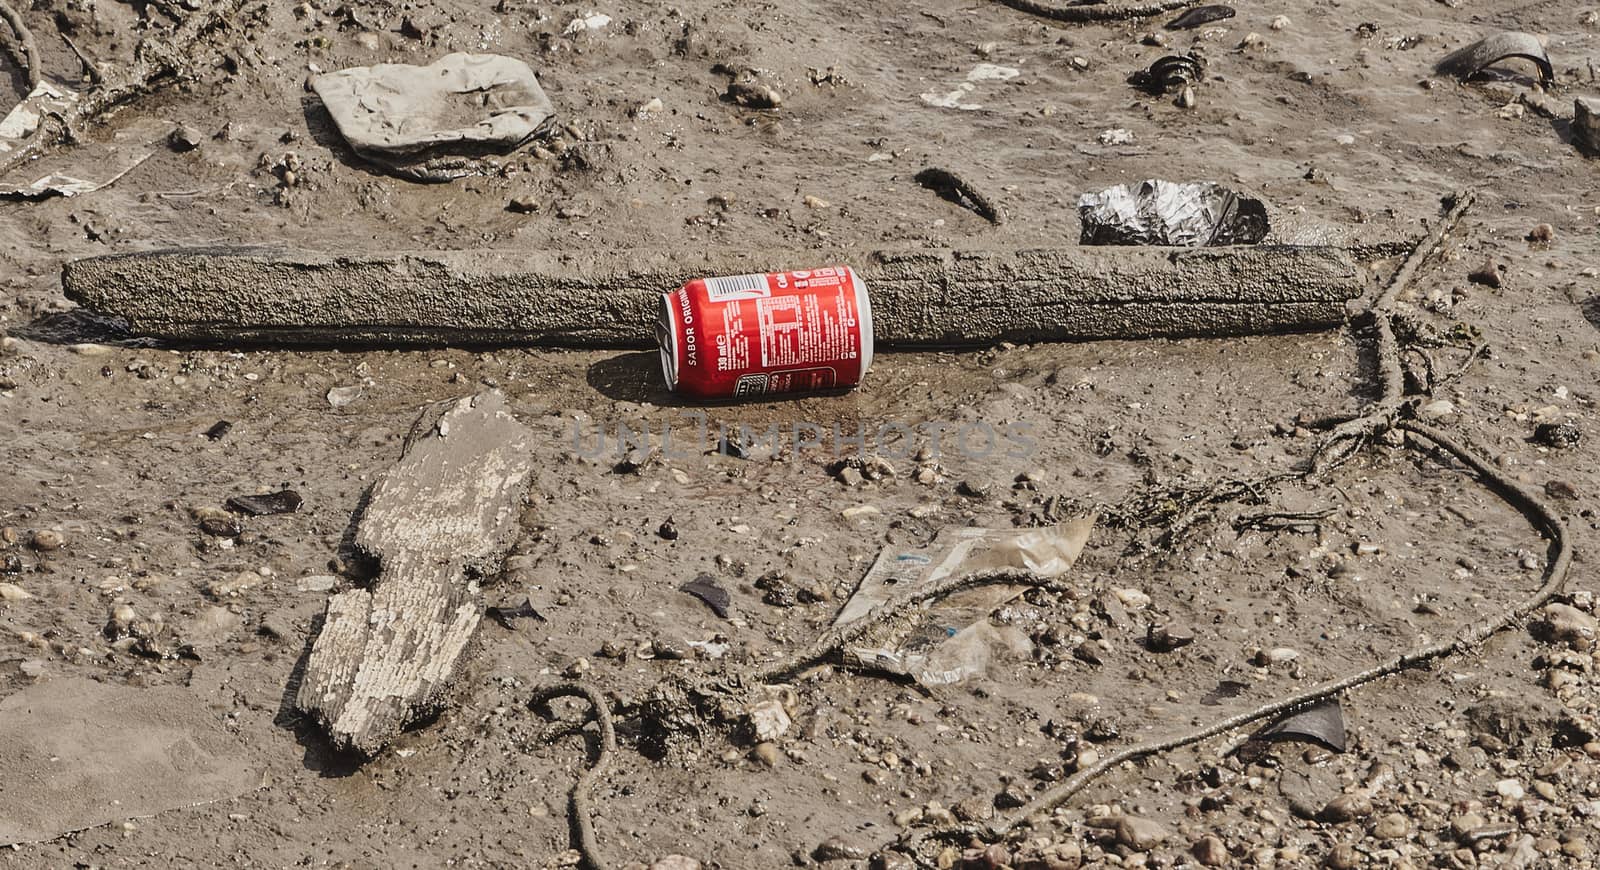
(1210, 851)
(1346, 808)
(1133, 599)
(1343, 857)
(339, 397)
(1567, 624)
(1487, 274)
(1275, 656)
(1394, 826)
(1438, 409)
(767, 753)
(1509, 789)
(677, 862)
(837, 849)
(1463, 825)
(233, 586)
(47, 541)
(217, 522)
(317, 583)
(1140, 834)
(1135, 832)
(891, 861)
(973, 488)
(1166, 638)
(184, 138)
(670, 650)
(753, 95)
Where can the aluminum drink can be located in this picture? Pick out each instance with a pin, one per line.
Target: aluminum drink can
(756, 335)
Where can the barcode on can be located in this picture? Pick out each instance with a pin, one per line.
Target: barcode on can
(736, 287)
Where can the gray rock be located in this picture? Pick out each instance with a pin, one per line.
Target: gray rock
(1343, 857)
(1394, 826)
(184, 138)
(1568, 624)
(317, 583)
(836, 849)
(1139, 834)
(1586, 124)
(676, 862)
(1210, 851)
(1305, 790)
(1346, 808)
(891, 861)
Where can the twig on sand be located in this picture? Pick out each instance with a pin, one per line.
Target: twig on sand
(1350, 433)
(955, 188)
(578, 800)
(29, 53)
(1086, 11)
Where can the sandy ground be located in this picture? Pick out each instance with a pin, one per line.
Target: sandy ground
(1323, 117)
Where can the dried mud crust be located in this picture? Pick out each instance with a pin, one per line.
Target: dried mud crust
(107, 445)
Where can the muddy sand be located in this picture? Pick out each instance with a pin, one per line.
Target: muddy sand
(1330, 112)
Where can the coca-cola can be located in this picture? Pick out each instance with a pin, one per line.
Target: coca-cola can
(756, 335)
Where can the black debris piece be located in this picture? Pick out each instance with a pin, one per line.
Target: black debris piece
(1200, 16)
(1321, 723)
(705, 588)
(285, 501)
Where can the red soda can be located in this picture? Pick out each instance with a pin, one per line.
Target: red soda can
(756, 335)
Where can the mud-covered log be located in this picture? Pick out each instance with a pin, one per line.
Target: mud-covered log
(436, 521)
(607, 299)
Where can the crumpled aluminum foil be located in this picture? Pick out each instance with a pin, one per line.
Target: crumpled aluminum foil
(1156, 212)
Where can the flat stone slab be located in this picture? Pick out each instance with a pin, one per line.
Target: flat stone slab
(77, 753)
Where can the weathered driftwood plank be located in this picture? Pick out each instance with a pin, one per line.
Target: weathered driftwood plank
(922, 297)
(441, 517)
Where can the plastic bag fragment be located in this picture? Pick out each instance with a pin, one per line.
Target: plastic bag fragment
(1156, 212)
(955, 639)
(438, 122)
(1469, 61)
